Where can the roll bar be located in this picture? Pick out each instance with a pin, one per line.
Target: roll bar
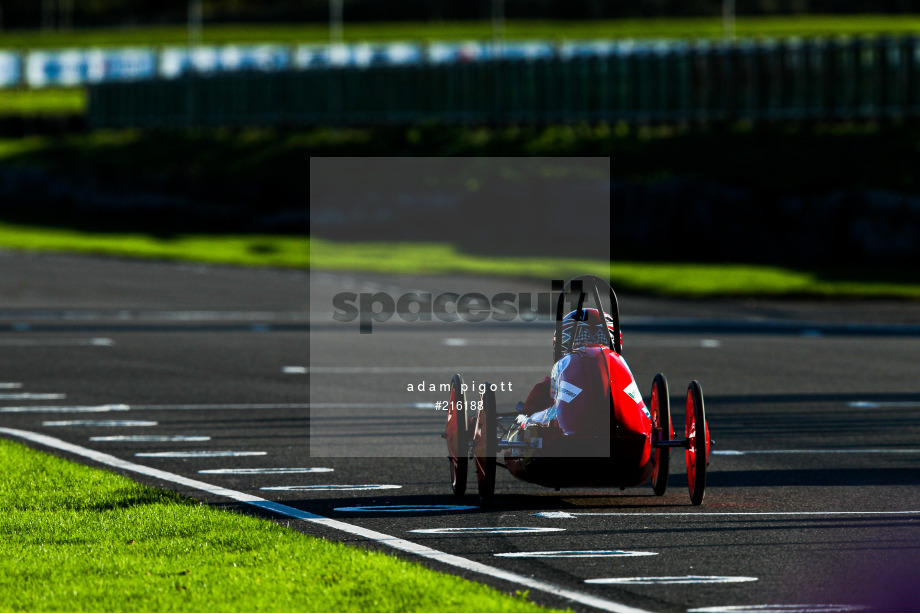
(578, 285)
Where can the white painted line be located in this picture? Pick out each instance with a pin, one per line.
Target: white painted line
(107, 423)
(97, 342)
(203, 454)
(294, 370)
(464, 530)
(335, 487)
(122, 407)
(151, 438)
(10, 385)
(432, 369)
(407, 508)
(784, 607)
(31, 396)
(819, 451)
(673, 580)
(76, 409)
(159, 315)
(881, 404)
(567, 515)
(467, 565)
(372, 406)
(267, 470)
(633, 343)
(232, 406)
(574, 554)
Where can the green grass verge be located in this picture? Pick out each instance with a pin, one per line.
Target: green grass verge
(699, 27)
(51, 101)
(667, 279)
(246, 250)
(78, 539)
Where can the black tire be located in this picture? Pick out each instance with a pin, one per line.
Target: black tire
(459, 457)
(486, 447)
(697, 435)
(660, 408)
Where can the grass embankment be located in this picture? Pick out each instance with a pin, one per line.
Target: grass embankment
(77, 539)
(515, 29)
(774, 162)
(666, 279)
(781, 159)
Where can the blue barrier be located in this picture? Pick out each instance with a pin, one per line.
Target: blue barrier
(637, 82)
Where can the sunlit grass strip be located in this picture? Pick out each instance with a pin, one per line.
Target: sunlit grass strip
(52, 101)
(78, 539)
(247, 250)
(669, 279)
(515, 29)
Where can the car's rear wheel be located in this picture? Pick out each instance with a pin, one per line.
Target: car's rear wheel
(457, 435)
(660, 409)
(485, 444)
(697, 434)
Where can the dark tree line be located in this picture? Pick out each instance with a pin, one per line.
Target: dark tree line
(54, 14)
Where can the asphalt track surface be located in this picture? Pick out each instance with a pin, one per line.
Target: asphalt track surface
(813, 498)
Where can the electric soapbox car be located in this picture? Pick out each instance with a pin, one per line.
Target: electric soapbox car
(593, 428)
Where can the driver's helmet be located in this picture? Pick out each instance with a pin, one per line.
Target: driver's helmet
(587, 328)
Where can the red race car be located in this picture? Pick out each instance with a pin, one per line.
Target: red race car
(584, 426)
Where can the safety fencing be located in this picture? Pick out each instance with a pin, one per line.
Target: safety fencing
(41, 68)
(633, 82)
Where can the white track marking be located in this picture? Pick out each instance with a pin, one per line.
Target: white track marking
(464, 530)
(113, 423)
(151, 438)
(10, 385)
(267, 470)
(407, 508)
(95, 342)
(231, 406)
(335, 487)
(673, 580)
(294, 370)
(202, 454)
(122, 407)
(567, 515)
(74, 409)
(31, 396)
(168, 316)
(432, 369)
(783, 607)
(574, 554)
(640, 343)
(464, 564)
(881, 404)
(818, 451)
(372, 406)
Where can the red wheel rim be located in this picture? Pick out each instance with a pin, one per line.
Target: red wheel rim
(690, 433)
(655, 410)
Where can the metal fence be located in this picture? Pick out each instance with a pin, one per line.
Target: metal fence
(633, 82)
